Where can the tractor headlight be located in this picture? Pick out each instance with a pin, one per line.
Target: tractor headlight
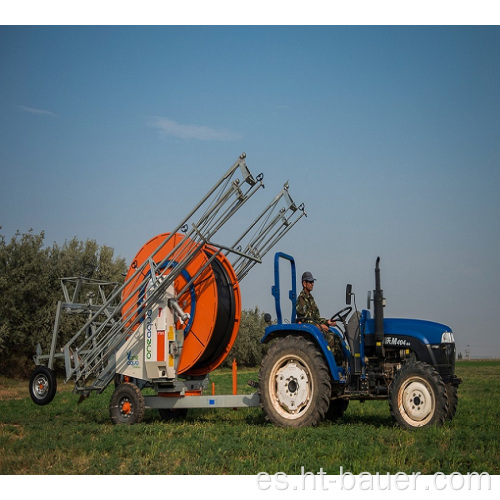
(447, 338)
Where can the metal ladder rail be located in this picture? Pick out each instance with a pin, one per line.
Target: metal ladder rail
(277, 236)
(268, 210)
(270, 207)
(244, 267)
(237, 204)
(72, 304)
(253, 247)
(224, 191)
(255, 258)
(264, 245)
(103, 346)
(287, 224)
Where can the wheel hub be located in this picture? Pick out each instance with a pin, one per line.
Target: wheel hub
(125, 407)
(292, 387)
(41, 386)
(417, 401)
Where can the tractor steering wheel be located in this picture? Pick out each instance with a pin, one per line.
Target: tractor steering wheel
(342, 314)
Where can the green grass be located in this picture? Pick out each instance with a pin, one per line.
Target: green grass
(66, 438)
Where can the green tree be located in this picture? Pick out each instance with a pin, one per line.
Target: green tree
(30, 288)
(247, 349)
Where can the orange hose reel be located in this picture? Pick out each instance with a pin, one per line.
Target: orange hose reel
(213, 301)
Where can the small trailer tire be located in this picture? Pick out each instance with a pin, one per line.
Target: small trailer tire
(43, 385)
(127, 405)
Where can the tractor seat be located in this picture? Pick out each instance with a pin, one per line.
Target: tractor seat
(353, 332)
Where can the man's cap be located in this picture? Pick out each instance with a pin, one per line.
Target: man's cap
(307, 276)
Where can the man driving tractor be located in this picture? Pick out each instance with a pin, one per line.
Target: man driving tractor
(308, 312)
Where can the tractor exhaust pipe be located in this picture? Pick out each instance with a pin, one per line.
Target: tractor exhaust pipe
(378, 311)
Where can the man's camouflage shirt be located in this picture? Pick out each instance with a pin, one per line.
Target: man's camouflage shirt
(307, 310)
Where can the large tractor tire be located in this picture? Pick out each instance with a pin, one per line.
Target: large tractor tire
(127, 404)
(417, 396)
(294, 383)
(43, 385)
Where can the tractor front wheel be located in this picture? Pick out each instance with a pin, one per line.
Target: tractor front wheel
(294, 383)
(127, 404)
(417, 396)
(452, 394)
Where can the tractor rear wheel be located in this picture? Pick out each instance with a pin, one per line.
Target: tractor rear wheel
(417, 396)
(43, 385)
(127, 404)
(294, 383)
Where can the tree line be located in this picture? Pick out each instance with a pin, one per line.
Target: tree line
(30, 287)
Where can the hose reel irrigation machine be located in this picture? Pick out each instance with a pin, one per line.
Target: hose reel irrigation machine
(176, 316)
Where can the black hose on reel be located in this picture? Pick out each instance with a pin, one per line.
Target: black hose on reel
(225, 319)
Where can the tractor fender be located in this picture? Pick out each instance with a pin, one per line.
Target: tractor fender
(308, 331)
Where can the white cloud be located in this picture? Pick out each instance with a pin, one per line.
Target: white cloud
(199, 132)
(37, 111)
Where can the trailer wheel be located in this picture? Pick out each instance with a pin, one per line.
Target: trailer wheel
(43, 385)
(337, 409)
(417, 396)
(127, 404)
(294, 383)
(452, 395)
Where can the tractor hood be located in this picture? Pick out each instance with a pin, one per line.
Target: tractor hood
(428, 332)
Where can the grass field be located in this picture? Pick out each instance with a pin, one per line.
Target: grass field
(66, 438)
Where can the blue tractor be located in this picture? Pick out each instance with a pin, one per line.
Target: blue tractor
(407, 361)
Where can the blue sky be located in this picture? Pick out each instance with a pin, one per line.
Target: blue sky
(389, 135)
